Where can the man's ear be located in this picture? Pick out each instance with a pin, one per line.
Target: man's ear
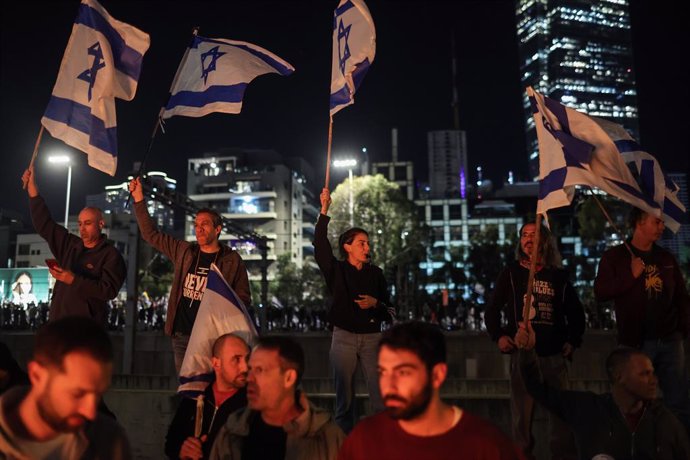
(438, 375)
(215, 363)
(38, 375)
(290, 378)
(101, 224)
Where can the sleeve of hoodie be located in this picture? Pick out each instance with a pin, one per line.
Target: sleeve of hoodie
(492, 315)
(614, 276)
(574, 315)
(323, 252)
(111, 280)
(164, 243)
(57, 236)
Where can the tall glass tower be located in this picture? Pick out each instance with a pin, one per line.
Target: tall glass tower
(578, 52)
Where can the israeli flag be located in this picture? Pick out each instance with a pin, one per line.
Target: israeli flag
(354, 48)
(220, 312)
(574, 149)
(215, 72)
(102, 61)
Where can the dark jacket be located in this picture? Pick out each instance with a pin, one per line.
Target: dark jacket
(183, 254)
(182, 425)
(99, 272)
(599, 426)
(346, 283)
(559, 315)
(615, 282)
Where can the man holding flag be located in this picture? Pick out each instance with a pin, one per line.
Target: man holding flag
(652, 305)
(192, 262)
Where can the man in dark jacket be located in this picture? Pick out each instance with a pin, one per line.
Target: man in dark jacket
(90, 269)
(558, 319)
(192, 262)
(651, 305)
(628, 423)
(359, 305)
(226, 394)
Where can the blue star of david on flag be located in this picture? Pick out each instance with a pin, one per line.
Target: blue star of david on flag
(213, 54)
(343, 47)
(89, 75)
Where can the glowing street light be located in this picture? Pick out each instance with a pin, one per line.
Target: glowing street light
(64, 160)
(348, 163)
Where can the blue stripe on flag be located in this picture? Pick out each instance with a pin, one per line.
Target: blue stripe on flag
(635, 193)
(127, 60)
(343, 8)
(217, 93)
(647, 177)
(340, 97)
(576, 151)
(78, 116)
(277, 65)
(673, 211)
(627, 145)
(359, 72)
(197, 378)
(552, 182)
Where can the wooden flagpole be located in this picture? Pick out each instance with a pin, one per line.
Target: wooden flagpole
(35, 153)
(530, 281)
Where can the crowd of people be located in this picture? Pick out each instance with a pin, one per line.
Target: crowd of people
(252, 406)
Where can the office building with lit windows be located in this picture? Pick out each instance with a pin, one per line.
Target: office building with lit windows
(447, 150)
(261, 192)
(578, 52)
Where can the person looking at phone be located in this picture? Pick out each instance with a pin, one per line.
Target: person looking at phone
(89, 271)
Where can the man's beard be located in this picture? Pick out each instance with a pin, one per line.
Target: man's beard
(415, 406)
(60, 425)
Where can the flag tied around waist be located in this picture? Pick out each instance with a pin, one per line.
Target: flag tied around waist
(102, 61)
(220, 312)
(214, 74)
(354, 48)
(576, 149)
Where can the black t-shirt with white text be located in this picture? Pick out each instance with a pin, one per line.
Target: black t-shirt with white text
(193, 288)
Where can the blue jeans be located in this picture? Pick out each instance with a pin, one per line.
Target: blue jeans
(668, 358)
(179, 346)
(348, 348)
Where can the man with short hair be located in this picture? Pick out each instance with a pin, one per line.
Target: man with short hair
(90, 270)
(57, 417)
(652, 305)
(226, 394)
(192, 262)
(417, 424)
(279, 422)
(627, 423)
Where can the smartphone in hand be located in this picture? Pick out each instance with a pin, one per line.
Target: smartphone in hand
(52, 263)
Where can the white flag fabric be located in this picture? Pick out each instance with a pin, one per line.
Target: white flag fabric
(354, 48)
(214, 74)
(648, 174)
(102, 61)
(575, 150)
(220, 312)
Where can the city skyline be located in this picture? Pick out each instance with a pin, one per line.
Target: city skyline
(408, 86)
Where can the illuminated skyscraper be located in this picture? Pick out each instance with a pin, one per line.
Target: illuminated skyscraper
(578, 52)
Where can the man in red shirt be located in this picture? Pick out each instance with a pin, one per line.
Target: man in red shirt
(417, 423)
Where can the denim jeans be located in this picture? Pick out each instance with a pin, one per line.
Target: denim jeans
(668, 358)
(179, 346)
(347, 349)
(555, 373)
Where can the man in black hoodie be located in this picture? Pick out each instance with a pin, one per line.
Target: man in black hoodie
(558, 320)
(90, 270)
(359, 305)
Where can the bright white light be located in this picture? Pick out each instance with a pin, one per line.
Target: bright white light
(59, 159)
(348, 163)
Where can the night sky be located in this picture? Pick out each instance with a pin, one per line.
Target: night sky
(408, 86)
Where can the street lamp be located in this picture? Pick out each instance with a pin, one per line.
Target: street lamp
(349, 164)
(64, 160)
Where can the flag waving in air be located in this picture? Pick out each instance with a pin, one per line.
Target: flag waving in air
(215, 72)
(354, 48)
(574, 149)
(102, 61)
(220, 312)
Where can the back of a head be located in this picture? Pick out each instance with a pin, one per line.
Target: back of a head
(423, 339)
(70, 334)
(290, 353)
(618, 359)
(635, 215)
